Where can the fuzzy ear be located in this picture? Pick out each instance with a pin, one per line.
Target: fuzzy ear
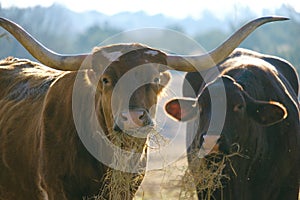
(267, 113)
(184, 109)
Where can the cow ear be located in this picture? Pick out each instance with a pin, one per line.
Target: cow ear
(184, 109)
(267, 113)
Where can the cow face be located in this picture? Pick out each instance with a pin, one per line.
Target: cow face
(242, 112)
(130, 79)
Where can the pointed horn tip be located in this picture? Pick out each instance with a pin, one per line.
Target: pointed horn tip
(274, 18)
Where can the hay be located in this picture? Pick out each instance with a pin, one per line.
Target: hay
(157, 141)
(122, 184)
(206, 174)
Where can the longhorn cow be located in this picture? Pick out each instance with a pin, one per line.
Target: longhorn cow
(42, 155)
(254, 101)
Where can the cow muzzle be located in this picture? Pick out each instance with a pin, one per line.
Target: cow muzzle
(132, 120)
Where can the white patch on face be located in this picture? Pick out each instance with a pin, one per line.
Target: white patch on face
(151, 52)
(209, 143)
(112, 56)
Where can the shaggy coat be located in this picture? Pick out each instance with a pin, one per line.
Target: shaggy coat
(41, 154)
(261, 124)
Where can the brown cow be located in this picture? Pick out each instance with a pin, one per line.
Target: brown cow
(43, 151)
(261, 124)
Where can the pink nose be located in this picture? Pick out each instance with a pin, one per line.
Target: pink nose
(133, 119)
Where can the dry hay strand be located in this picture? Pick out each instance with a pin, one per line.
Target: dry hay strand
(128, 166)
(206, 174)
(120, 185)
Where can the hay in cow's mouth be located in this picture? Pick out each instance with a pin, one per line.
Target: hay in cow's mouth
(206, 174)
(121, 184)
(135, 140)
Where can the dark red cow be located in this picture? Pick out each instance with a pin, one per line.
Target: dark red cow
(254, 101)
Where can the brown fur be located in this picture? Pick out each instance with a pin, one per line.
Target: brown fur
(41, 155)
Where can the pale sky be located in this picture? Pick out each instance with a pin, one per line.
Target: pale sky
(173, 8)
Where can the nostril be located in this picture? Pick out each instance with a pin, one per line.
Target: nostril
(145, 119)
(142, 115)
(134, 118)
(117, 128)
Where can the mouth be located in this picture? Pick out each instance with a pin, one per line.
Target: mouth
(138, 132)
(141, 132)
(210, 143)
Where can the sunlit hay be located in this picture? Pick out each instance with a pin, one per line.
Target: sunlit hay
(156, 140)
(130, 156)
(120, 185)
(206, 174)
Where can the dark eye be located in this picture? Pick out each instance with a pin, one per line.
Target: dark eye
(156, 80)
(238, 108)
(105, 81)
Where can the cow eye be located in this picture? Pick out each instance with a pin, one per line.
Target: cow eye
(156, 80)
(238, 108)
(105, 81)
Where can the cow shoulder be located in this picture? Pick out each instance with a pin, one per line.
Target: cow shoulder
(61, 94)
(285, 69)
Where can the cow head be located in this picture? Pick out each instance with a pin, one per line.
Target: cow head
(131, 77)
(242, 113)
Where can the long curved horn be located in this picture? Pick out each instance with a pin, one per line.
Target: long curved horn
(40, 52)
(205, 61)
